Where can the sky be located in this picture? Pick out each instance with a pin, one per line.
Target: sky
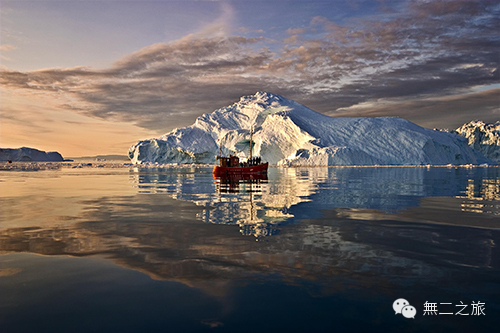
(89, 77)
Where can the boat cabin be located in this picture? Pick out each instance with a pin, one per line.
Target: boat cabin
(231, 161)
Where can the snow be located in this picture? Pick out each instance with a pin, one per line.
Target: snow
(289, 134)
(483, 137)
(25, 154)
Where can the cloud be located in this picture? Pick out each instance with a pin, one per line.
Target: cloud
(9, 271)
(296, 31)
(158, 86)
(423, 51)
(441, 112)
(7, 47)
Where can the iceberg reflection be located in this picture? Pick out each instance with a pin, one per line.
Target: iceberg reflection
(260, 206)
(331, 227)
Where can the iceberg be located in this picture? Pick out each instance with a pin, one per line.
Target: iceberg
(483, 137)
(287, 133)
(26, 154)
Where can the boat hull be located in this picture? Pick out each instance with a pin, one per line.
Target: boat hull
(220, 171)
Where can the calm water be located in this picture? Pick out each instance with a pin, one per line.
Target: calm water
(307, 250)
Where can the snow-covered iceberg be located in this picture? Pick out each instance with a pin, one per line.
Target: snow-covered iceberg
(288, 133)
(483, 137)
(26, 154)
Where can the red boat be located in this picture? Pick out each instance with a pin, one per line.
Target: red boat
(231, 166)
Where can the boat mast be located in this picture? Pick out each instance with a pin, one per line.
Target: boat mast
(251, 135)
(221, 140)
(220, 148)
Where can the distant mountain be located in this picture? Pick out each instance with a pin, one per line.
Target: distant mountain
(25, 154)
(288, 133)
(483, 137)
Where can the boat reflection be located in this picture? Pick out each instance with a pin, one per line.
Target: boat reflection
(249, 216)
(231, 183)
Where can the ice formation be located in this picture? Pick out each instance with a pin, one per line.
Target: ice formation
(483, 137)
(288, 133)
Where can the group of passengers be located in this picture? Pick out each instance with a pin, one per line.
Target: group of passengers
(251, 162)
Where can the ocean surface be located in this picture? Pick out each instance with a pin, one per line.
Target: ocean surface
(303, 250)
